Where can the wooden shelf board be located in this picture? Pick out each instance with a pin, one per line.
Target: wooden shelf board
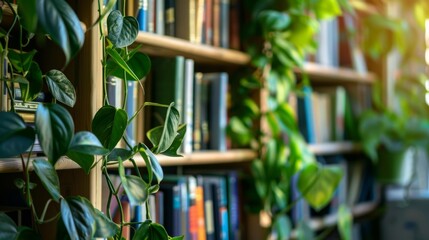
(14, 164)
(165, 46)
(323, 74)
(359, 210)
(335, 148)
(200, 158)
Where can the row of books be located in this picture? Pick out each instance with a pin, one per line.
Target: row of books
(211, 22)
(325, 114)
(198, 207)
(356, 186)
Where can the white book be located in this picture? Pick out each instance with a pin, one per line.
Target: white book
(188, 105)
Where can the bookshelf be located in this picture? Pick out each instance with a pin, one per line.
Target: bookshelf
(87, 66)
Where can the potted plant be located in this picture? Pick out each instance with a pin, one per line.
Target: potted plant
(54, 126)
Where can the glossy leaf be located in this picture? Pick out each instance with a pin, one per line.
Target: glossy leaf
(286, 115)
(274, 20)
(27, 14)
(150, 231)
(326, 9)
(85, 161)
(55, 128)
(86, 142)
(304, 231)
(119, 153)
(25, 233)
(154, 135)
(15, 136)
(77, 216)
(118, 60)
(283, 227)
(61, 87)
(21, 61)
(30, 90)
(318, 184)
(8, 228)
(345, 222)
(239, 132)
(152, 163)
(104, 227)
(169, 132)
(49, 178)
(139, 64)
(122, 30)
(57, 18)
(134, 186)
(109, 125)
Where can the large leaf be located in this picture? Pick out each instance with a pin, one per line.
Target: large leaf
(85, 161)
(155, 135)
(31, 90)
(170, 128)
(122, 30)
(104, 226)
(49, 177)
(55, 128)
(150, 231)
(57, 18)
(152, 163)
(119, 61)
(86, 142)
(77, 216)
(326, 8)
(109, 125)
(61, 87)
(318, 184)
(15, 136)
(119, 153)
(139, 64)
(27, 14)
(134, 186)
(8, 228)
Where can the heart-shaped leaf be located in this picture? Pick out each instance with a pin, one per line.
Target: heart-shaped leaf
(150, 230)
(152, 163)
(49, 177)
(155, 134)
(134, 186)
(8, 228)
(55, 128)
(57, 19)
(109, 125)
(25, 233)
(274, 20)
(169, 130)
(318, 184)
(122, 30)
(86, 142)
(27, 15)
(85, 161)
(345, 222)
(77, 216)
(119, 153)
(21, 61)
(30, 90)
(139, 64)
(119, 61)
(61, 87)
(15, 136)
(105, 228)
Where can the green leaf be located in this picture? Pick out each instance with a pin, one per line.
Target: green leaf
(326, 9)
(49, 177)
(109, 125)
(134, 186)
(55, 128)
(8, 228)
(274, 20)
(152, 163)
(118, 60)
(286, 115)
(61, 87)
(139, 64)
(104, 226)
(15, 136)
(85, 161)
(21, 61)
(150, 231)
(77, 215)
(27, 14)
(345, 222)
(86, 142)
(155, 134)
(304, 231)
(119, 153)
(122, 30)
(169, 132)
(25, 233)
(30, 90)
(318, 184)
(57, 19)
(239, 132)
(283, 227)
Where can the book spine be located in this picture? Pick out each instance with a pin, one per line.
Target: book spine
(142, 15)
(208, 22)
(199, 21)
(131, 108)
(170, 18)
(151, 16)
(224, 23)
(218, 120)
(159, 14)
(216, 23)
(188, 105)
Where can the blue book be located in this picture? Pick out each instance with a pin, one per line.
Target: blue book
(305, 115)
(142, 15)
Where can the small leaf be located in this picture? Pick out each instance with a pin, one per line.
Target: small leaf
(49, 177)
(283, 227)
(116, 57)
(15, 136)
(119, 153)
(21, 61)
(134, 186)
(55, 128)
(152, 231)
(345, 222)
(85, 161)
(122, 30)
(109, 125)
(61, 87)
(155, 134)
(151, 162)
(27, 14)
(139, 64)
(8, 228)
(58, 20)
(274, 20)
(77, 216)
(318, 184)
(327, 9)
(105, 228)
(170, 128)
(34, 85)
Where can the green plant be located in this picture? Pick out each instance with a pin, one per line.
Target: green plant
(77, 218)
(280, 34)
